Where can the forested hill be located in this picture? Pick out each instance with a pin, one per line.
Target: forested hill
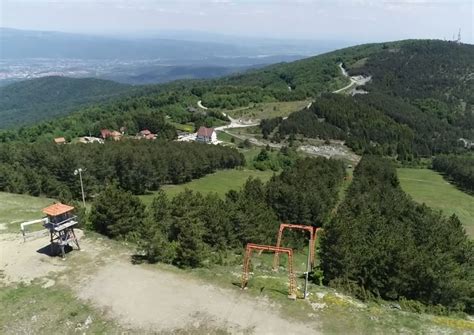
(420, 101)
(435, 76)
(415, 69)
(422, 89)
(38, 99)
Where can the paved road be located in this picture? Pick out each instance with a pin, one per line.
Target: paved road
(199, 103)
(355, 80)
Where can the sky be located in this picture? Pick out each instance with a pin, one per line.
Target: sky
(350, 20)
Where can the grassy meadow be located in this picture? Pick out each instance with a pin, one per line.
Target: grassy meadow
(219, 182)
(429, 187)
(268, 110)
(16, 208)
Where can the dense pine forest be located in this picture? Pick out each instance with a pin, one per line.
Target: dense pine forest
(433, 75)
(136, 166)
(40, 99)
(365, 129)
(420, 101)
(382, 244)
(379, 243)
(374, 124)
(458, 168)
(190, 229)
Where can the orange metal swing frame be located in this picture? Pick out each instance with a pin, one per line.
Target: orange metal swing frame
(313, 234)
(258, 247)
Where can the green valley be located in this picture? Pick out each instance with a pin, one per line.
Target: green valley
(201, 173)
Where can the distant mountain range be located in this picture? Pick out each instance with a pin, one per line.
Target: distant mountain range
(21, 44)
(145, 59)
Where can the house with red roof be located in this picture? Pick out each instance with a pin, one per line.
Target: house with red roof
(115, 135)
(206, 135)
(104, 133)
(144, 132)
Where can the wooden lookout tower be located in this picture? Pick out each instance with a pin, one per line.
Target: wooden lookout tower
(61, 222)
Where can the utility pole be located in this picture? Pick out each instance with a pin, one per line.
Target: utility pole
(76, 172)
(308, 269)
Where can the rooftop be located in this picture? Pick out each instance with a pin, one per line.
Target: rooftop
(57, 209)
(205, 132)
(59, 140)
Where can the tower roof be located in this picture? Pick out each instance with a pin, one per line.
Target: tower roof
(57, 209)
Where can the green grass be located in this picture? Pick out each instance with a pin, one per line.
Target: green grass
(429, 187)
(31, 309)
(219, 182)
(224, 137)
(250, 154)
(268, 110)
(188, 127)
(16, 208)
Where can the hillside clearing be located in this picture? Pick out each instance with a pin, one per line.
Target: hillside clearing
(164, 301)
(267, 110)
(219, 182)
(429, 187)
(83, 294)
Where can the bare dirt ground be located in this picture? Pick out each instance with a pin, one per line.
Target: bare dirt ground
(337, 149)
(140, 296)
(23, 262)
(158, 300)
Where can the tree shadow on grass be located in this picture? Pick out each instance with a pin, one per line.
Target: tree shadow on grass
(239, 285)
(138, 259)
(264, 289)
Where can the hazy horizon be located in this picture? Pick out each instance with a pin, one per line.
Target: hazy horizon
(355, 21)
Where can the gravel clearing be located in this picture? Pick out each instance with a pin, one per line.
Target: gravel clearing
(141, 297)
(155, 300)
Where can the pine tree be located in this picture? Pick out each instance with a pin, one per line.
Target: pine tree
(117, 213)
(191, 251)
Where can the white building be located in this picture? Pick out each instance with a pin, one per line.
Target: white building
(206, 135)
